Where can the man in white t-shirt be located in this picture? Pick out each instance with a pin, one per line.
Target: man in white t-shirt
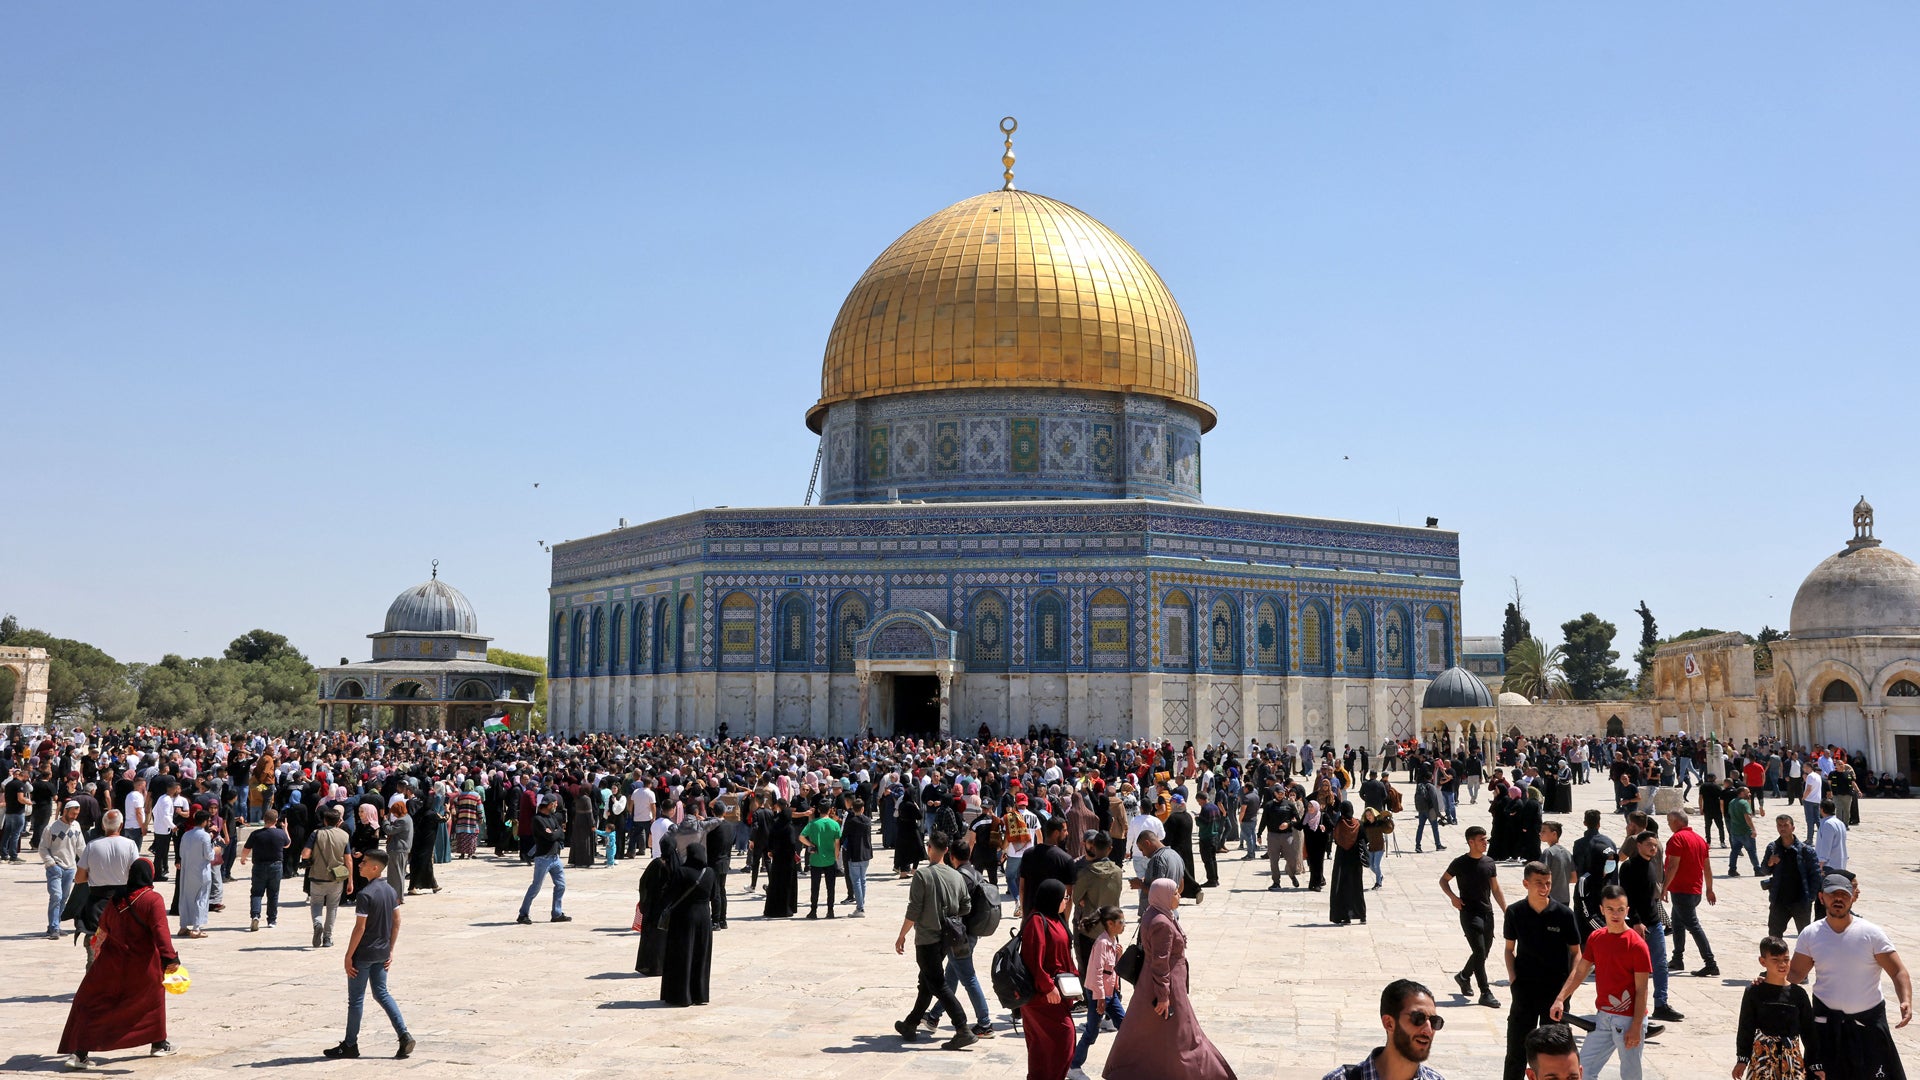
(641, 804)
(1846, 956)
(656, 833)
(164, 810)
(135, 812)
(1811, 793)
(1139, 821)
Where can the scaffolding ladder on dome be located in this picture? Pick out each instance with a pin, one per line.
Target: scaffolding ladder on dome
(814, 480)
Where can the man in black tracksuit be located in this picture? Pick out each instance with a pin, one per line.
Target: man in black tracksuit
(1543, 938)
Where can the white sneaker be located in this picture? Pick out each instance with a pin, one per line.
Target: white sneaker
(1077, 1074)
(77, 1063)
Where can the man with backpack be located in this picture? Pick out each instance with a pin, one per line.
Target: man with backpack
(983, 918)
(937, 908)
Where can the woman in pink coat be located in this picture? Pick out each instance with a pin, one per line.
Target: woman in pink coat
(1161, 1038)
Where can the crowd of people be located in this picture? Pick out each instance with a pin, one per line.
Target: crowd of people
(1061, 831)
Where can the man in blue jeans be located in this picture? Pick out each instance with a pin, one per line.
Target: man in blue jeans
(376, 929)
(544, 843)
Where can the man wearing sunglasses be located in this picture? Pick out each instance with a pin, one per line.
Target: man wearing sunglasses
(1408, 1015)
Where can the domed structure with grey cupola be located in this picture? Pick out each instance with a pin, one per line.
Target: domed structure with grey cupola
(432, 607)
(1862, 589)
(429, 670)
(1457, 688)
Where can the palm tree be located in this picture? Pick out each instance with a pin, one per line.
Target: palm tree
(1533, 670)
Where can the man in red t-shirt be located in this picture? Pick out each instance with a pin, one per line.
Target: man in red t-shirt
(1755, 774)
(1621, 964)
(1689, 877)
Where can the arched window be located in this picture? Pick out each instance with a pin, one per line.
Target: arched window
(1356, 641)
(1223, 637)
(987, 629)
(689, 652)
(1313, 638)
(662, 633)
(578, 655)
(849, 618)
(557, 648)
(1839, 690)
(620, 653)
(1904, 688)
(1396, 647)
(637, 632)
(793, 631)
(1439, 641)
(737, 614)
(1176, 630)
(1267, 653)
(1049, 629)
(1107, 616)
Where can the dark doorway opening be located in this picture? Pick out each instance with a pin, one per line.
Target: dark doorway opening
(916, 706)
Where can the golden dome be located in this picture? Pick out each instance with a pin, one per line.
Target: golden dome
(1009, 289)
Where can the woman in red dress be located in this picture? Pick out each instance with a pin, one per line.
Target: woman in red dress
(121, 1003)
(1047, 950)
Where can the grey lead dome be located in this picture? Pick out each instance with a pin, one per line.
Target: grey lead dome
(1863, 590)
(432, 607)
(1457, 688)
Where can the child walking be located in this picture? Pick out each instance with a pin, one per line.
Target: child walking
(1102, 981)
(1776, 1022)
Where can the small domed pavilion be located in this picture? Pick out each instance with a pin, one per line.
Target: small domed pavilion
(429, 669)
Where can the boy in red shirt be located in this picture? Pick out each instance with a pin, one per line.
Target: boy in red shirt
(1621, 964)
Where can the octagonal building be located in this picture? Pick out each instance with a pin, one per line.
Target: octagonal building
(1012, 536)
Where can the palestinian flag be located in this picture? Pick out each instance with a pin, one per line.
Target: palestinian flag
(498, 722)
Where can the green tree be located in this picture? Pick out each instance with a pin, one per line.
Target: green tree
(257, 645)
(1534, 670)
(9, 626)
(8, 683)
(537, 716)
(1763, 648)
(1515, 629)
(1690, 635)
(1649, 642)
(1588, 661)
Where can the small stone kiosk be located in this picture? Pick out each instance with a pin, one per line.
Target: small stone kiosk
(429, 670)
(1456, 704)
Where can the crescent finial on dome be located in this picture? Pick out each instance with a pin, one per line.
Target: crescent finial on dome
(1008, 125)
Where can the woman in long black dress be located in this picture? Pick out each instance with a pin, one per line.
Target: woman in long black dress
(656, 892)
(689, 932)
(1347, 898)
(909, 850)
(783, 869)
(426, 823)
(580, 828)
(1314, 828)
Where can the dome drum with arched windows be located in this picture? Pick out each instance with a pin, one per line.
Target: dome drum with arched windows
(429, 670)
(1011, 538)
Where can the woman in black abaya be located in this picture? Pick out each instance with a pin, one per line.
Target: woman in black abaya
(656, 892)
(1347, 897)
(689, 932)
(909, 849)
(783, 871)
(580, 828)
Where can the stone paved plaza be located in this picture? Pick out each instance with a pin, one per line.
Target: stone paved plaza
(1283, 993)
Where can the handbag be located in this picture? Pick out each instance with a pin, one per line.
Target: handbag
(1132, 961)
(639, 912)
(1068, 984)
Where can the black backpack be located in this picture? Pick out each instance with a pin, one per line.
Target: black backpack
(983, 912)
(1012, 983)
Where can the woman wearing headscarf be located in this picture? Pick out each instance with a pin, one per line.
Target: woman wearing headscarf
(1046, 948)
(426, 825)
(120, 1002)
(1161, 1037)
(580, 827)
(783, 867)
(909, 849)
(399, 833)
(656, 891)
(297, 819)
(469, 818)
(366, 837)
(1314, 827)
(688, 918)
(439, 811)
(1347, 899)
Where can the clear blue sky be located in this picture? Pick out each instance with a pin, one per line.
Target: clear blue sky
(294, 301)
